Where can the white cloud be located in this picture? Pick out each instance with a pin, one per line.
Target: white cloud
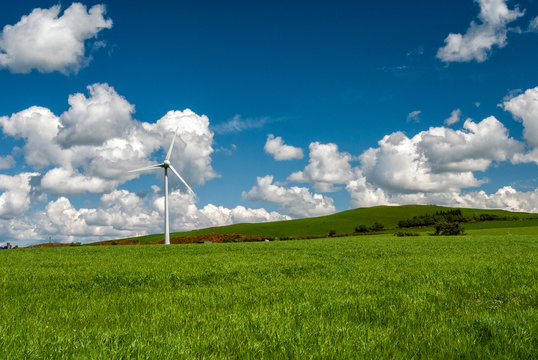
(437, 160)
(414, 116)
(296, 201)
(15, 194)
(92, 121)
(364, 194)
(101, 142)
(470, 149)
(326, 167)
(238, 124)
(524, 107)
(38, 126)
(454, 117)
(280, 151)
(477, 42)
(47, 42)
(212, 215)
(62, 181)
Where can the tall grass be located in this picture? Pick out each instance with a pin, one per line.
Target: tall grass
(357, 297)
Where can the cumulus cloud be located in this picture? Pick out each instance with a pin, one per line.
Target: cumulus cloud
(39, 127)
(454, 117)
(92, 121)
(437, 160)
(238, 124)
(47, 42)
(477, 43)
(280, 151)
(414, 116)
(296, 201)
(91, 146)
(15, 194)
(364, 194)
(524, 108)
(326, 167)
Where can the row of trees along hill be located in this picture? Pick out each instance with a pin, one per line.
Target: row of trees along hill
(449, 216)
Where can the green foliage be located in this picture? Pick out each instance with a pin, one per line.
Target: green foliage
(377, 226)
(448, 228)
(340, 298)
(362, 229)
(332, 232)
(406, 233)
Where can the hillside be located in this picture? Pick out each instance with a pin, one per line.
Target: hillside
(345, 222)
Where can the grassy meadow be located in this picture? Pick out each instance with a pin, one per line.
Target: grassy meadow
(338, 298)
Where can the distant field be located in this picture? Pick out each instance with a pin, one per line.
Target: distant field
(357, 297)
(345, 222)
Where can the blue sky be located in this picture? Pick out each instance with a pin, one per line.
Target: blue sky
(296, 109)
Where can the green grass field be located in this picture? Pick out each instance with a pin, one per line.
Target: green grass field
(339, 298)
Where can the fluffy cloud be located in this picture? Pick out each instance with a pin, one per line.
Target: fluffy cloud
(364, 194)
(47, 42)
(477, 42)
(326, 167)
(39, 127)
(92, 121)
(454, 117)
(471, 149)
(15, 194)
(297, 201)
(280, 151)
(525, 108)
(91, 146)
(69, 182)
(437, 160)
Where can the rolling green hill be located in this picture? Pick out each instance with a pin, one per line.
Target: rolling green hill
(345, 222)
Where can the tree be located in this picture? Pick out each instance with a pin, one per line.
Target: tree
(448, 228)
(377, 226)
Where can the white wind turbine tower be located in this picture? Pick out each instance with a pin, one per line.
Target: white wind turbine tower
(166, 165)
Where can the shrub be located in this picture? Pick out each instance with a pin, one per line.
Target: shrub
(332, 232)
(445, 228)
(377, 226)
(406, 233)
(362, 229)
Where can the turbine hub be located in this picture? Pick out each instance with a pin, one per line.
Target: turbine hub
(166, 163)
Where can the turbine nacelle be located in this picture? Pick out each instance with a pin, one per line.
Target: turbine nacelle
(166, 163)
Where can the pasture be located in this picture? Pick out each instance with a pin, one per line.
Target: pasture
(354, 297)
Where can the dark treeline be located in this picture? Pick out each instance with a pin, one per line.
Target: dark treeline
(449, 216)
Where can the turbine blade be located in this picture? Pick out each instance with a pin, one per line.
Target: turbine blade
(180, 178)
(147, 168)
(171, 146)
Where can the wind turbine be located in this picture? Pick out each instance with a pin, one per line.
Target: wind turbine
(166, 165)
